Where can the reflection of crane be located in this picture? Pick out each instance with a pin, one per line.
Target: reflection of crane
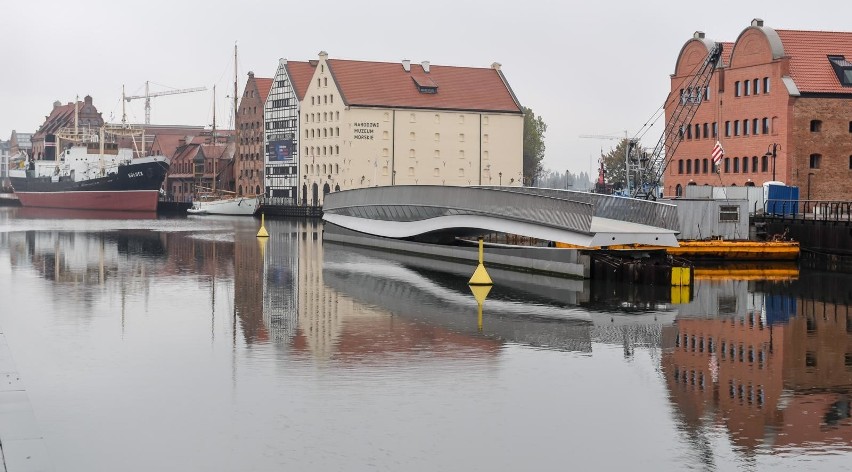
(148, 96)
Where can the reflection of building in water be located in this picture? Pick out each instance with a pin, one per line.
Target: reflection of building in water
(778, 372)
(248, 288)
(280, 291)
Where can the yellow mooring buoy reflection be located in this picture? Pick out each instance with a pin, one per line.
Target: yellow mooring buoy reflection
(479, 293)
(261, 233)
(480, 284)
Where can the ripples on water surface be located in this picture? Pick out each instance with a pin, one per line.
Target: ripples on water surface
(187, 344)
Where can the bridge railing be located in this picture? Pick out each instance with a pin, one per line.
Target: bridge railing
(816, 210)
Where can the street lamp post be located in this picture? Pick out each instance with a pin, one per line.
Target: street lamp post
(772, 151)
(808, 203)
(501, 178)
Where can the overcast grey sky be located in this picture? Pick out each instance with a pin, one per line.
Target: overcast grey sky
(598, 68)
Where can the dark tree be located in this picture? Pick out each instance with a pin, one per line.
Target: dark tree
(534, 128)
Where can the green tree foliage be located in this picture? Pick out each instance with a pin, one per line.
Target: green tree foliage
(534, 128)
(613, 162)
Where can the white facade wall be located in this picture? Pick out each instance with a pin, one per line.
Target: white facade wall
(353, 147)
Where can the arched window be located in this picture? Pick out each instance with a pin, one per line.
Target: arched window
(678, 191)
(689, 166)
(697, 169)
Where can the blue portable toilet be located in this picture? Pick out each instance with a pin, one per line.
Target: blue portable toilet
(780, 199)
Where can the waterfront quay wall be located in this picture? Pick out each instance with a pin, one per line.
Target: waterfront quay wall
(825, 244)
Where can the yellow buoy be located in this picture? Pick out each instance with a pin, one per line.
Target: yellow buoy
(480, 275)
(261, 233)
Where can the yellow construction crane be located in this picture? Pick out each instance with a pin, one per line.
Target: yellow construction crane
(148, 96)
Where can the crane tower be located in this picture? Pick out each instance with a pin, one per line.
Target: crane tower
(148, 95)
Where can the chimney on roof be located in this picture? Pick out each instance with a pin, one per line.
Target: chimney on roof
(88, 99)
(406, 65)
(757, 22)
(496, 65)
(425, 65)
(698, 35)
(323, 55)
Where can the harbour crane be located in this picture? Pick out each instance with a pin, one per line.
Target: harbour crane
(148, 95)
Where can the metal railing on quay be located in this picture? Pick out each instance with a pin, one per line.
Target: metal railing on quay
(815, 210)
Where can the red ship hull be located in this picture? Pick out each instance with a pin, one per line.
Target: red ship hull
(119, 200)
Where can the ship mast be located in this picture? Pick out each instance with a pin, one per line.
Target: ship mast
(215, 157)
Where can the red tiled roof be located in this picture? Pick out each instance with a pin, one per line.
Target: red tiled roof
(809, 65)
(263, 87)
(387, 84)
(300, 76)
(727, 49)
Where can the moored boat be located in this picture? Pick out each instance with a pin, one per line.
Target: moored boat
(89, 173)
(223, 205)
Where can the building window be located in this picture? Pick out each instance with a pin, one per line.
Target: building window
(461, 153)
(437, 137)
(816, 126)
(715, 129)
(815, 160)
(461, 137)
(485, 138)
(764, 164)
(680, 166)
(437, 118)
(755, 126)
(412, 118)
(754, 164)
(746, 127)
(704, 166)
(727, 165)
(727, 129)
(411, 136)
(747, 84)
(850, 162)
(757, 86)
(736, 164)
(766, 85)
(706, 131)
(729, 213)
(737, 88)
(688, 132)
(697, 130)
(411, 153)
(736, 127)
(689, 166)
(765, 125)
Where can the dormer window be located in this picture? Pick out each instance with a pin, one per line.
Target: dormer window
(425, 84)
(843, 69)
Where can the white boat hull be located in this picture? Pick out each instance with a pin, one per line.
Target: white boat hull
(229, 206)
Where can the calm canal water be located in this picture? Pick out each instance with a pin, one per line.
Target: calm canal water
(187, 344)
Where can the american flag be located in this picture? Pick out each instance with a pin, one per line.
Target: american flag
(717, 153)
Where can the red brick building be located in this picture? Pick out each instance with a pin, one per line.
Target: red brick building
(249, 162)
(62, 116)
(780, 103)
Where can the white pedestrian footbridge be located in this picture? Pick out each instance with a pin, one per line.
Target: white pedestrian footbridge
(434, 212)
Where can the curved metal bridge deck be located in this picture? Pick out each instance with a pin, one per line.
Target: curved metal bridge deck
(579, 218)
